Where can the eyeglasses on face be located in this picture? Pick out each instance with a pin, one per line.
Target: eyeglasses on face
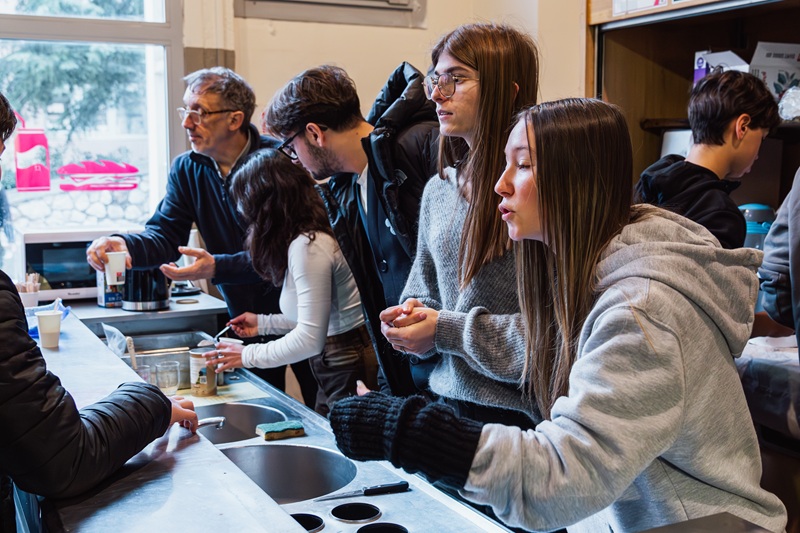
(287, 149)
(197, 115)
(446, 83)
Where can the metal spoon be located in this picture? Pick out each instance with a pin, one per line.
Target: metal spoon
(213, 341)
(223, 330)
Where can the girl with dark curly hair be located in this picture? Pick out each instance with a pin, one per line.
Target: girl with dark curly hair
(292, 245)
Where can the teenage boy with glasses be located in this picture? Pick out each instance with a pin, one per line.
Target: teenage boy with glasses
(378, 168)
(218, 105)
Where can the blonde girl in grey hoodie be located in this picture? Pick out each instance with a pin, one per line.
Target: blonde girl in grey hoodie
(633, 317)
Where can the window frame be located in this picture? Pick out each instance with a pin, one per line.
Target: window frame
(391, 13)
(168, 34)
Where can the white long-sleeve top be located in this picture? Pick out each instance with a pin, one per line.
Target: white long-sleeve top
(319, 298)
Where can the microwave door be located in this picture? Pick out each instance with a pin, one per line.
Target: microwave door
(61, 265)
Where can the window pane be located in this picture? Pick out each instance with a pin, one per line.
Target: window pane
(93, 131)
(138, 10)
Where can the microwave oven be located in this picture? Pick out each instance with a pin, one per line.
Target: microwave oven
(59, 257)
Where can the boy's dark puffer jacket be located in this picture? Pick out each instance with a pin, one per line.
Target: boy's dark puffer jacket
(49, 447)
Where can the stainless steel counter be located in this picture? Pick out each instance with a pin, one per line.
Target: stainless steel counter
(199, 312)
(423, 508)
(180, 482)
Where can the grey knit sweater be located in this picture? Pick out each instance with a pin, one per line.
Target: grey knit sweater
(479, 333)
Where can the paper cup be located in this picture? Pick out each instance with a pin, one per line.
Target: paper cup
(49, 328)
(29, 299)
(115, 268)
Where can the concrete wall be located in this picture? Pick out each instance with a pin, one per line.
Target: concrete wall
(269, 52)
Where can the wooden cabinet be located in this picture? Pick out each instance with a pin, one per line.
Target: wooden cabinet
(601, 11)
(644, 63)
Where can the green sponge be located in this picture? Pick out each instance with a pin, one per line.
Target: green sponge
(281, 430)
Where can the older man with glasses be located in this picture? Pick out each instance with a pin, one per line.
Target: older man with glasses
(218, 106)
(378, 168)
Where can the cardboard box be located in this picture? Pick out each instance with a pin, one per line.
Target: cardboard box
(700, 65)
(777, 65)
(706, 61)
(108, 295)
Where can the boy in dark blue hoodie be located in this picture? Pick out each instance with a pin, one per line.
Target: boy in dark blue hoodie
(730, 113)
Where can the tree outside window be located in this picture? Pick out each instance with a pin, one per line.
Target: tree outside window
(92, 147)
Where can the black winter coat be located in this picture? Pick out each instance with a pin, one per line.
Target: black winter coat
(49, 447)
(402, 155)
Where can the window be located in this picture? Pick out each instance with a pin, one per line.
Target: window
(93, 83)
(399, 13)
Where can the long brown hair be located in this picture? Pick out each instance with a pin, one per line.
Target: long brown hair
(278, 201)
(507, 62)
(584, 169)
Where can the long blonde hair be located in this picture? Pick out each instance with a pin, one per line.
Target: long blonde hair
(584, 171)
(507, 63)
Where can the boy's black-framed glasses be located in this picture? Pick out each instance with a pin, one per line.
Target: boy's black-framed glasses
(287, 149)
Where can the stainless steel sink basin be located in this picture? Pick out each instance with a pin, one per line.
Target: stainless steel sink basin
(160, 347)
(241, 420)
(290, 473)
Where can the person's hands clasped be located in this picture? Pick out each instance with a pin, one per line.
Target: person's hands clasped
(204, 266)
(183, 413)
(410, 327)
(244, 325)
(227, 355)
(96, 252)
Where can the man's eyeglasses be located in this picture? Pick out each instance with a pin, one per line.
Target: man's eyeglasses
(197, 115)
(445, 82)
(287, 149)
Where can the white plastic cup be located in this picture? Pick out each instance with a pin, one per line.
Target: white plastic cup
(29, 299)
(115, 268)
(168, 377)
(49, 328)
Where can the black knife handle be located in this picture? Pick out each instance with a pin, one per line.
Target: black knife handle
(399, 486)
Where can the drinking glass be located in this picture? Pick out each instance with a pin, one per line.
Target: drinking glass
(144, 373)
(168, 377)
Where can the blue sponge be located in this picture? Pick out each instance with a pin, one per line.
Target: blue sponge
(281, 430)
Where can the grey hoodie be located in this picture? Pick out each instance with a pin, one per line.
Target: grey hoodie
(655, 429)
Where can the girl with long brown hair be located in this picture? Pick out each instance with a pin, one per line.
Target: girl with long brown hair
(291, 245)
(459, 302)
(634, 315)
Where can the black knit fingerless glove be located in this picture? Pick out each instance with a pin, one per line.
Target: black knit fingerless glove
(410, 432)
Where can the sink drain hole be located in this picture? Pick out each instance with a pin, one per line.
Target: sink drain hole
(384, 527)
(311, 522)
(356, 513)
